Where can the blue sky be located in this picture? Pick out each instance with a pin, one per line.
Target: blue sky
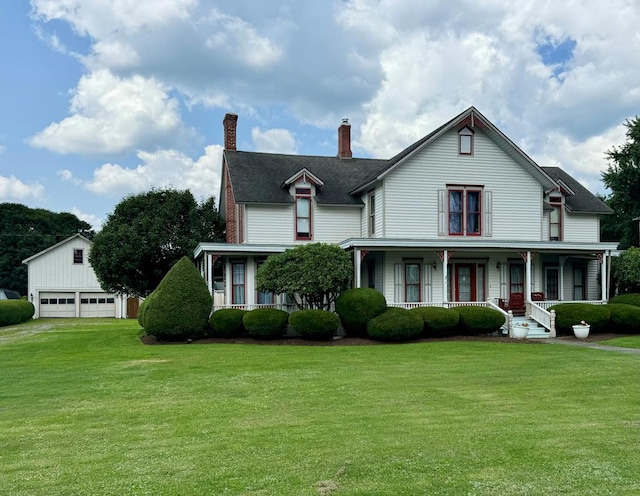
(103, 99)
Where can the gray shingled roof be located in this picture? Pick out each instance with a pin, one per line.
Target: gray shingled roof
(258, 177)
(583, 201)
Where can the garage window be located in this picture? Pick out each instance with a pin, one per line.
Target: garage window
(78, 256)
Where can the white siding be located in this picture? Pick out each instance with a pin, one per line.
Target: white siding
(275, 224)
(269, 224)
(582, 227)
(411, 191)
(332, 224)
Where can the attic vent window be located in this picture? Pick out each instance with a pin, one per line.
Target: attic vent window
(465, 141)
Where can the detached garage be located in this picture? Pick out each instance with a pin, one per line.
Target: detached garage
(62, 283)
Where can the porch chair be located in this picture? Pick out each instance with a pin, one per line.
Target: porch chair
(515, 303)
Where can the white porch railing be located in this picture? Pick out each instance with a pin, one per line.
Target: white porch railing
(546, 319)
(549, 303)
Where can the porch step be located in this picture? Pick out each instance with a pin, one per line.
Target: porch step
(536, 331)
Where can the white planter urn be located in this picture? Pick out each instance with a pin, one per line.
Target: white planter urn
(581, 331)
(520, 331)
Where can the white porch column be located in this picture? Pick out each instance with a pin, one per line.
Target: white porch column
(561, 262)
(603, 277)
(527, 289)
(356, 263)
(445, 275)
(209, 269)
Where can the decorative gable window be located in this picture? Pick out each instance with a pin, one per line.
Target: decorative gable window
(465, 211)
(303, 213)
(555, 219)
(465, 141)
(78, 256)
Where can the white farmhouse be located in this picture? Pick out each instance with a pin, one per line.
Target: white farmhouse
(462, 216)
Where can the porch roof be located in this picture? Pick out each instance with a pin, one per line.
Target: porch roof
(240, 248)
(477, 244)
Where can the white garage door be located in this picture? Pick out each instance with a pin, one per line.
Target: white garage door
(57, 304)
(97, 305)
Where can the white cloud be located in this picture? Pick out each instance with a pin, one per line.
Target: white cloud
(113, 115)
(95, 221)
(273, 141)
(13, 189)
(161, 169)
(239, 38)
(3, 149)
(100, 18)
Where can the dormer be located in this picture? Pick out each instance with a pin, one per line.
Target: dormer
(303, 186)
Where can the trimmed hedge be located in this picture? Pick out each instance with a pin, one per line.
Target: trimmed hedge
(317, 325)
(266, 323)
(13, 312)
(395, 324)
(627, 299)
(227, 323)
(624, 318)
(143, 308)
(569, 314)
(479, 320)
(358, 306)
(179, 306)
(438, 321)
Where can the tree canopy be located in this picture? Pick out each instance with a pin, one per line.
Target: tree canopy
(147, 234)
(622, 177)
(625, 270)
(313, 275)
(26, 231)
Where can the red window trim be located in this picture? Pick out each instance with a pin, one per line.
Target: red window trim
(465, 190)
(558, 205)
(297, 197)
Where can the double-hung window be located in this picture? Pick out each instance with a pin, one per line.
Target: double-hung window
(412, 282)
(238, 283)
(264, 297)
(555, 219)
(465, 211)
(303, 213)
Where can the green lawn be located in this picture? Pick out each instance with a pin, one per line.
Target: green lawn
(625, 342)
(86, 409)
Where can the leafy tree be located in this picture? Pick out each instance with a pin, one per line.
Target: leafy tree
(26, 231)
(312, 274)
(625, 271)
(147, 234)
(622, 177)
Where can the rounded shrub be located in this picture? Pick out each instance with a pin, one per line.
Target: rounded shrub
(438, 321)
(179, 307)
(13, 312)
(479, 320)
(624, 318)
(627, 299)
(318, 325)
(358, 306)
(227, 323)
(395, 324)
(143, 307)
(569, 314)
(266, 323)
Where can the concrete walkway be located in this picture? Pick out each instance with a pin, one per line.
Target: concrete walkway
(591, 344)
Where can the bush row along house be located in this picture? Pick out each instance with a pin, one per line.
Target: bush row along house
(461, 216)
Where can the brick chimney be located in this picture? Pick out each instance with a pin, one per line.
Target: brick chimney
(229, 123)
(344, 139)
